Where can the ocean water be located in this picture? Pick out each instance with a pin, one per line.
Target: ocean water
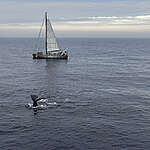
(102, 94)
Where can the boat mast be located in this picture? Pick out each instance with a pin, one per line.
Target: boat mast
(46, 32)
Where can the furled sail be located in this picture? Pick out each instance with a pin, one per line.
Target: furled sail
(52, 44)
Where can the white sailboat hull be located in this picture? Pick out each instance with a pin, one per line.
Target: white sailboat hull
(50, 56)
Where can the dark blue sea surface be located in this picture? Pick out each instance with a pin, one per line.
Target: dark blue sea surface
(102, 92)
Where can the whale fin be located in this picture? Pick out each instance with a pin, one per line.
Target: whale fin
(34, 97)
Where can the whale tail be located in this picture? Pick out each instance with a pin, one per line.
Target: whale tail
(34, 97)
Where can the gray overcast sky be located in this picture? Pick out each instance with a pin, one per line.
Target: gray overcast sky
(76, 18)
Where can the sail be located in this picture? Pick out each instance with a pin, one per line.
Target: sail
(52, 44)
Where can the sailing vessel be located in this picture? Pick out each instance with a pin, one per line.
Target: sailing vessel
(52, 50)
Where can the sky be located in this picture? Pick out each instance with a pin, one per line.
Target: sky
(76, 18)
